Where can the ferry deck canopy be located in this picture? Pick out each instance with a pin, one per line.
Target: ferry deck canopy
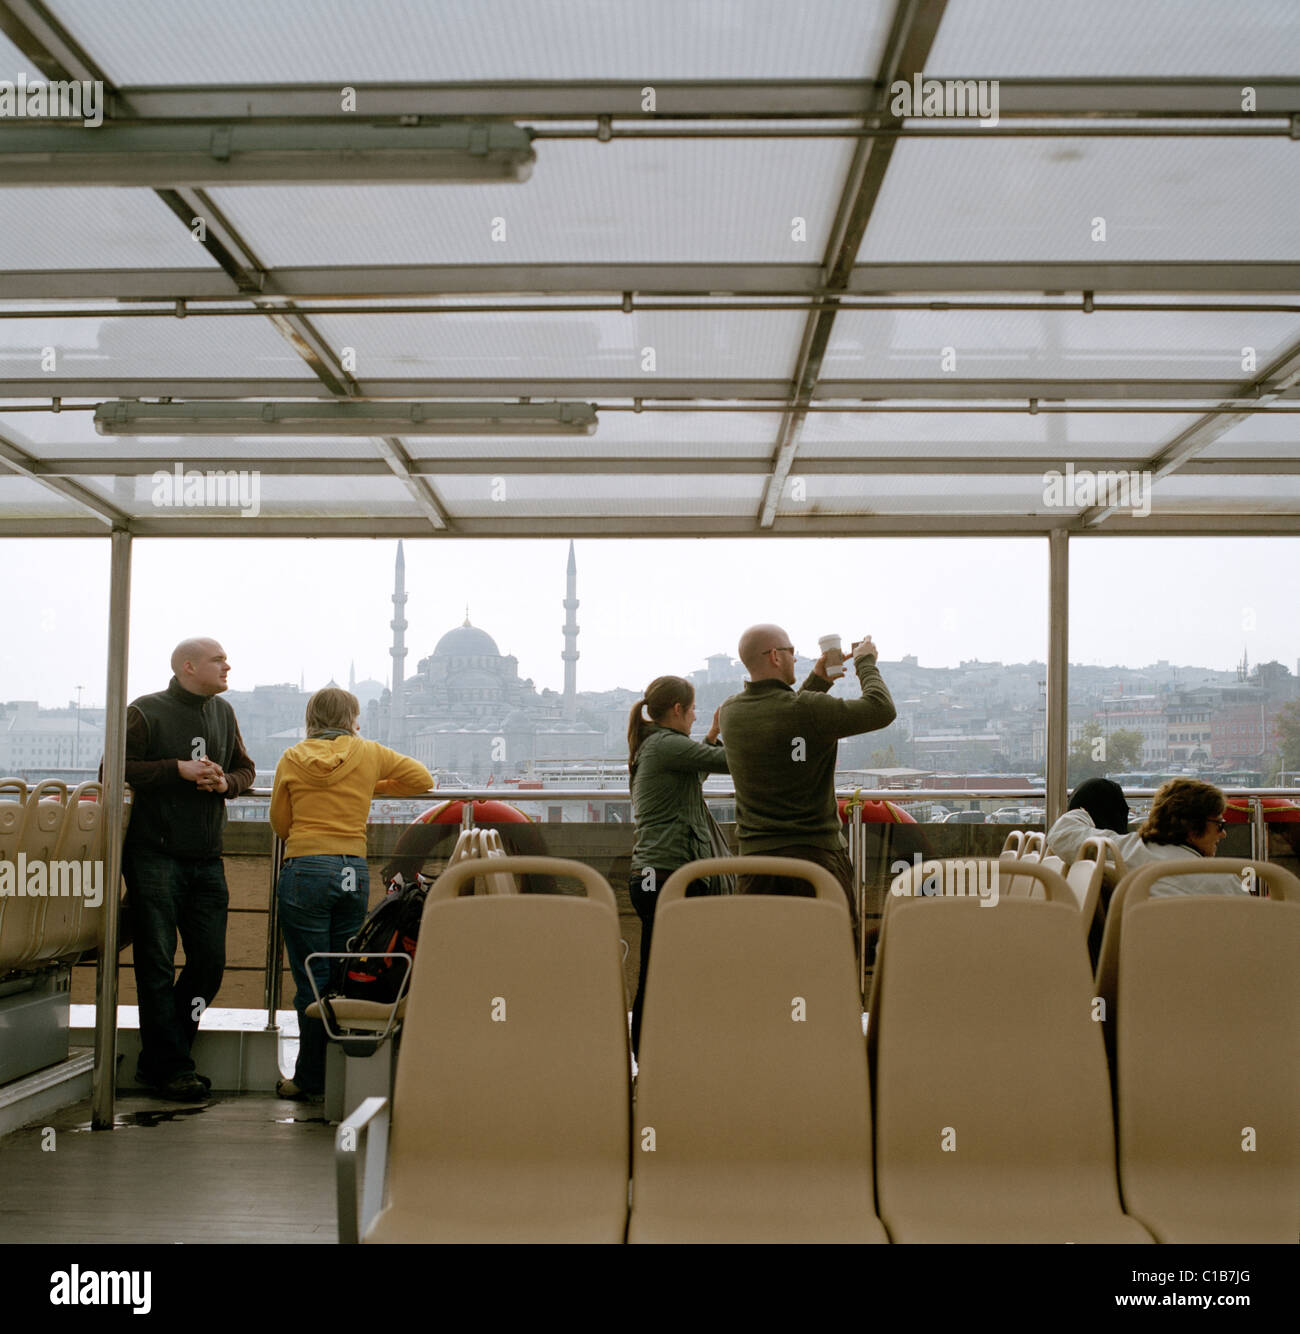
(776, 301)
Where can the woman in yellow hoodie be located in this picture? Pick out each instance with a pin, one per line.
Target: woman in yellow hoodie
(320, 806)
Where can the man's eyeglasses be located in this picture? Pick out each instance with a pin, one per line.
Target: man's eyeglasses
(1215, 821)
(782, 648)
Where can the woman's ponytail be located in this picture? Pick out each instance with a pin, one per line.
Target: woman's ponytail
(660, 696)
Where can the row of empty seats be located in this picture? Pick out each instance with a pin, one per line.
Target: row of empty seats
(979, 1108)
(54, 840)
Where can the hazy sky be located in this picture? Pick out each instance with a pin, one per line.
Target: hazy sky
(287, 609)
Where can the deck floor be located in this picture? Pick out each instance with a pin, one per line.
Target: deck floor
(238, 1168)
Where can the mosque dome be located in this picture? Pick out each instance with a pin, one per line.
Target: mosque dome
(466, 641)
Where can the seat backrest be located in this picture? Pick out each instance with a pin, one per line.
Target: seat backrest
(753, 1118)
(1023, 886)
(70, 925)
(512, 1100)
(478, 844)
(499, 882)
(1015, 842)
(1203, 995)
(22, 918)
(992, 1100)
(1035, 842)
(11, 816)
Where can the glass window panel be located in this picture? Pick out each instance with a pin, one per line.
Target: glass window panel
(658, 201)
(1037, 199)
(175, 42)
(1115, 38)
(1014, 345)
(599, 345)
(125, 348)
(57, 227)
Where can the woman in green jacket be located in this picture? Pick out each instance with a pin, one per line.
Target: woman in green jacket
(666, 770)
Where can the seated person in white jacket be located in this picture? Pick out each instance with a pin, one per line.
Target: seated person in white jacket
(1186, 820)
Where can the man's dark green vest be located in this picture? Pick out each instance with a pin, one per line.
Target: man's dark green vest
(176, 819)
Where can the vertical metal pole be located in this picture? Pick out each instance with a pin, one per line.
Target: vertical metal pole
(274, 944)
(119, 616)
(857, 845)
(1058, 670)
(1258, 832)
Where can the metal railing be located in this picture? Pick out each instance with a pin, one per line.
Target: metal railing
(856, 836)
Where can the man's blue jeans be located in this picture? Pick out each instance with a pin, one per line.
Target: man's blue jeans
(166, 895)
(323, 902)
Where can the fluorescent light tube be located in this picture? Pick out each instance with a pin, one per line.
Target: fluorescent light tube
(329, 419)
(168, 156)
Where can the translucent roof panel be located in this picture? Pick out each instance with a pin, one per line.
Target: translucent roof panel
(175, 42)
(723, 436)
(1261, 435)
(22, 498)
(1115, 39)
(127, 348)
(600, 345)
(1040, 199)
(654, 201)
(68, 228)
(988, 435)
(530, 495)
(257, 494)
(13, 62)
(1183, 492)
(849, 493)
(1120, 345)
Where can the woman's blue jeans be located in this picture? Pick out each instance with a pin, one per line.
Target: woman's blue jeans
(323, 902)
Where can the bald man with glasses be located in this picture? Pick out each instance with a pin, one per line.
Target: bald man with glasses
(781, 747)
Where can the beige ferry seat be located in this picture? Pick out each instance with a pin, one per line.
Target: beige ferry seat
(992, 1102)
(79, 847)
(1086, 877)
(12, 814)
(511, 1108)
(753, 1112)
(22, 918)
(1014, 844)
(13, 802)
(1203, 996)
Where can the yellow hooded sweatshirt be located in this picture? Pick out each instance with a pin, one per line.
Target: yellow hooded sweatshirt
(323, 787)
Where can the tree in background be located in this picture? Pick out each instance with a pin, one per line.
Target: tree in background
(1094, 755)
(1288, 730)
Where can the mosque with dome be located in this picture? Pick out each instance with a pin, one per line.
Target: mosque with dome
(465, 710)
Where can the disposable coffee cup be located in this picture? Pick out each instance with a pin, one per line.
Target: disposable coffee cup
(830, 646)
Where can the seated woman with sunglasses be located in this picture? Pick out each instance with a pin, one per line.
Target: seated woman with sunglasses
(1186, 820)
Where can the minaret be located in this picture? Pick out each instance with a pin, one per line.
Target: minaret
(352, 677)
(396, 720)
(570, 654)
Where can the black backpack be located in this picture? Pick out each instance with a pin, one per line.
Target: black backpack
(392, 927)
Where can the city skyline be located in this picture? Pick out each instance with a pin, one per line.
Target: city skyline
(308, 611)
